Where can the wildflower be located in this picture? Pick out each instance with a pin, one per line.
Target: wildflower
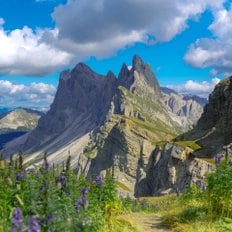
(46, 165)
(20, 175)
(82, 202)
(33, 224)
(98, 181)
(85, 190)
(48, 219)
(17, 220)
(218, 159)
(61, 183)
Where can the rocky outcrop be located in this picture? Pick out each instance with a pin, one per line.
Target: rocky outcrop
(173, 167)
(214, 128)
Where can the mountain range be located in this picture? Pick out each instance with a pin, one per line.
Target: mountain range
(104, 122)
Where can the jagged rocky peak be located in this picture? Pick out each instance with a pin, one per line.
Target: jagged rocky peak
(82, 102)
(137, 63)
(139, 79)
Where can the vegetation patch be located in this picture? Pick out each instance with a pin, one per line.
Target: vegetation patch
(123, 186)
(191, 144)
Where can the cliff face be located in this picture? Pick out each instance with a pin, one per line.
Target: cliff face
(172, 167)
(105, 123)
(214, 128)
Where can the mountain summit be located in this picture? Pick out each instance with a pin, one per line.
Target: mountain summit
(139, 79)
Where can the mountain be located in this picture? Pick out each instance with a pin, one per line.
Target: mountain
(105, 123)
(187, 107)
(19, 120)
(213, 130)
(16, 123)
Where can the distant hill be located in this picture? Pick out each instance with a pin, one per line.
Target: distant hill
(15, 123)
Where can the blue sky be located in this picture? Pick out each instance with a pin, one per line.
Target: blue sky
(187, 43)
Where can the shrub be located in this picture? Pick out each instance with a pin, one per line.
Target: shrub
(219, 191)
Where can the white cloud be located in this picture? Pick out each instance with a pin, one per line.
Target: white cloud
(34, 95)
(85, 21)
(214, 52)
(98, 28)
(23, 53)
(202, 89)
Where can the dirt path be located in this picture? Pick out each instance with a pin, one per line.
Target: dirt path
(147, 222)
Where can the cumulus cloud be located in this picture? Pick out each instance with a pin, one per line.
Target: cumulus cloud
(34, 95)
(85, 21)
(214, 52)
(101, 28)
(95, 28)
(202, 89)
(23, 53)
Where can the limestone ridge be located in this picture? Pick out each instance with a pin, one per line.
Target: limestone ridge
(104, 123)
(213, 129)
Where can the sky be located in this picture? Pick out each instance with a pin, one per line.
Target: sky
(186, 42)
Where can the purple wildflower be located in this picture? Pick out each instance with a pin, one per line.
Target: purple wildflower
(48, 219)
(20, 175)
(61, 180)
(84, 191)
(82, 202)
(46, 164)
(98, 181)
(218, 159)
(33, 224)
(17, 220)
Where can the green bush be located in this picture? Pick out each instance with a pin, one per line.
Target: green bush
(219, 191)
